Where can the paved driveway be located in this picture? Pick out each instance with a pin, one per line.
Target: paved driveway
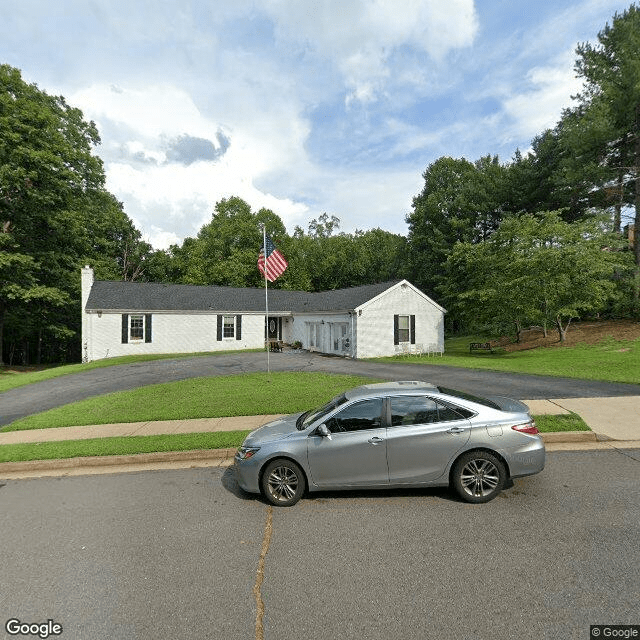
(35, 398)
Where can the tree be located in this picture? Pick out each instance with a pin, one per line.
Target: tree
(608, 115)
(548, 178)
(225, 251)
(536, 269)
(461, 202)
(55, 215)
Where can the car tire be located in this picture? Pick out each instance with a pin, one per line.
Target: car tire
(282, 483)
(478, 476)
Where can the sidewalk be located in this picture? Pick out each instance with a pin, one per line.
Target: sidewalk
(614, 422)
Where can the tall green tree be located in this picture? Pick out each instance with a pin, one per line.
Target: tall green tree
(225, 251)
(606, 124)
(536, 269)
(461, 201)
(55, 215)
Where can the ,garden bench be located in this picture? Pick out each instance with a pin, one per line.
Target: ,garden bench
(480, 346)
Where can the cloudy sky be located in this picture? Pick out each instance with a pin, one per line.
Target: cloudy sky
(301, 106)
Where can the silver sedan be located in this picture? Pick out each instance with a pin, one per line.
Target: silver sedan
(394, 434)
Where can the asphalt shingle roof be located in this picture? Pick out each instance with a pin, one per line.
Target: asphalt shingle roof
(150, 296)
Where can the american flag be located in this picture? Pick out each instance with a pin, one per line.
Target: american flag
(276, 263)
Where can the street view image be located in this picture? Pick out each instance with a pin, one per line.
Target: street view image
(320, 320)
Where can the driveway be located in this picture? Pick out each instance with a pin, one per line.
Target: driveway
(24, 401)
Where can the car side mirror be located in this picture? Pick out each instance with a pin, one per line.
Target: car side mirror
(323, 431)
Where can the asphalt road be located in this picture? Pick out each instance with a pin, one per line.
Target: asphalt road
(35, 398)
(175, 554)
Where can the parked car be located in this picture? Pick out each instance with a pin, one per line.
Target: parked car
(394, 434)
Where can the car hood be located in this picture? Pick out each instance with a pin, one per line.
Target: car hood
(509, 404)
(275, 430)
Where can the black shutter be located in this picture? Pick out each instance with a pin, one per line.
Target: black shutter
(219, 336)
(125, 328)
(238, 327)
(396, 336)
(280, 328)
(413, 329)
(147, 327)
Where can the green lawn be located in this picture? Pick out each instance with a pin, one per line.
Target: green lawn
(120, 446)
(565, 422)
(240, 395)
(611, 360)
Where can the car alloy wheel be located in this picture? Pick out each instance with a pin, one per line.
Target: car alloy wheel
(283, 483)
(478, 476)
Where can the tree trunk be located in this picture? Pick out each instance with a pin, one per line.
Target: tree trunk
(562, 331)
(518, 330)
(617, 216)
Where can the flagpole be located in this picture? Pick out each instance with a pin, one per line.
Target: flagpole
(266, 294)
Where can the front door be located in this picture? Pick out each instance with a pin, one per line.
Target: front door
(274, 328)
(356, 454)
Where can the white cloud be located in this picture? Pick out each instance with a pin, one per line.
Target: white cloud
(172, 199)
(360, 36)
(540, 106)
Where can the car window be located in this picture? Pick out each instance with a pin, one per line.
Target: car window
(317, 414)
(365, 414)
(467, 396)
(408, 410)
(455, 412)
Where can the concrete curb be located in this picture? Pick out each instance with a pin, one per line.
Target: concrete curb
(198, 455)
(572, 436)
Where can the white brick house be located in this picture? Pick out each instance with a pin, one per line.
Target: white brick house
(124, 318)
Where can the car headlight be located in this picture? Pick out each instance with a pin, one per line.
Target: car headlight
(244, 453)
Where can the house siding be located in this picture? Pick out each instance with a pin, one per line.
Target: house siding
(172, 333)
(375, 335)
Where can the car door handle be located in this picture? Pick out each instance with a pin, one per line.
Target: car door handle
(375, 440)
(456, 430)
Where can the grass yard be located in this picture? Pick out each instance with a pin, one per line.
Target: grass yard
(240, 395)
(611, 360)
(120, 446)
(565, 422)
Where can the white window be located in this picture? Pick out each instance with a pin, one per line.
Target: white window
(136, 327)
(403, 329)
(229, 327)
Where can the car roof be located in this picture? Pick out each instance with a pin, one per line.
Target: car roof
(386, 388)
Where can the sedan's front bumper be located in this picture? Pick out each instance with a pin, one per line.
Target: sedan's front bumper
(247, 474)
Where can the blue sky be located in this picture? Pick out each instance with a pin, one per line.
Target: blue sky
(303, 107)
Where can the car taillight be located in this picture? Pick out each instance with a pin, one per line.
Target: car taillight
(527, 427)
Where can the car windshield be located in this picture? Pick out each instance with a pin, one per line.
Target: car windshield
(467, 396)
(317, 414)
